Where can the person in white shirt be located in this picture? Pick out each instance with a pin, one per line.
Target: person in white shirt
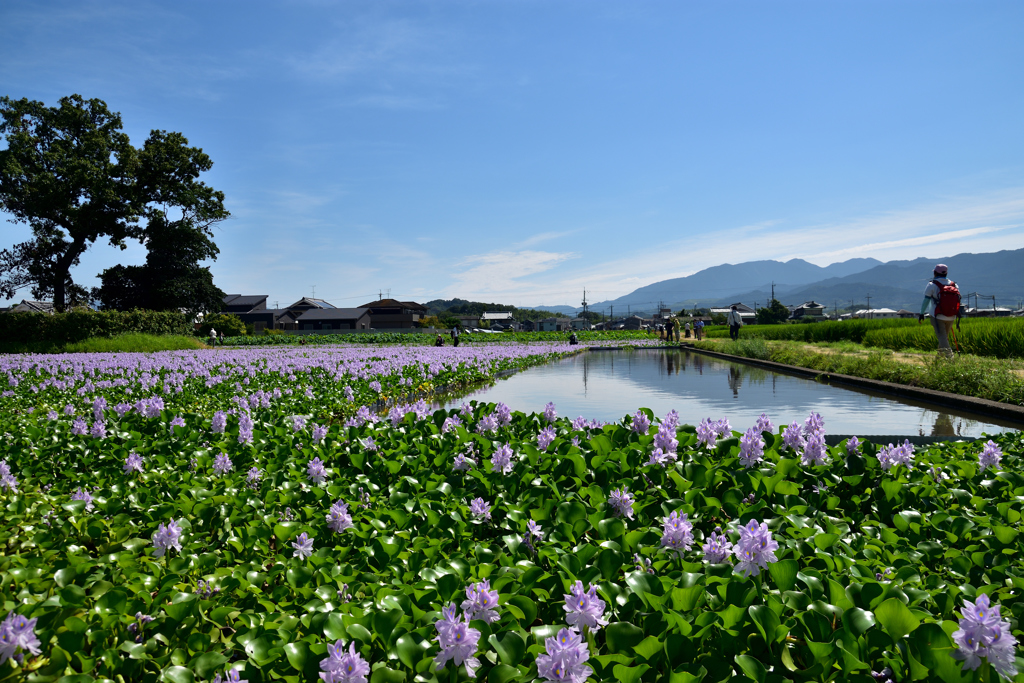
(943, 314)
(735, 322)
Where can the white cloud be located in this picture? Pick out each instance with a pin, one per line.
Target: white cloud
(501, 273)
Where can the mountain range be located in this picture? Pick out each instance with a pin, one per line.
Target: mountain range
(893, 284)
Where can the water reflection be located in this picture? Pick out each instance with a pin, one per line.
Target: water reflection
(608, 385)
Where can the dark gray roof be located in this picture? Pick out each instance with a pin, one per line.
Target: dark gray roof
(333, 314)
(244, 299)
(310, 301)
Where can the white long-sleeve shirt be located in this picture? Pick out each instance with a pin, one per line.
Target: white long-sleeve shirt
(931, 299)
(734, 318)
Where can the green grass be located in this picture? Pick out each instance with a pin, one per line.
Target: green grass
(125, 343)
(965, 374)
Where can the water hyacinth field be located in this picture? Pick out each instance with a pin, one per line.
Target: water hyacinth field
(299, 514)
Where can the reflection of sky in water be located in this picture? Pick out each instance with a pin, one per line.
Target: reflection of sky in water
(607, 385)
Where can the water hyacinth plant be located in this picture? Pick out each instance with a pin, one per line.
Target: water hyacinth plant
(715, 570)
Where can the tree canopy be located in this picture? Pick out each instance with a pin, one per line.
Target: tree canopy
(776, 313)
(73, 176)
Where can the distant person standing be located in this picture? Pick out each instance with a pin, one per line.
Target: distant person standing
(942, 304)
(686, 329)
(439, 341)
(213, 337)
(221, 337)
(455, 336)
(698, 329)
(735, 321)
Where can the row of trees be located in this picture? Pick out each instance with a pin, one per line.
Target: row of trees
(71, 174)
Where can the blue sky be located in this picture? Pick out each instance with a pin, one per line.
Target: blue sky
(517, 151)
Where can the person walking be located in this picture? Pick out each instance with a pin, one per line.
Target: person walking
(686, 328)
(220, 336)
(698, 329)
(455, 336)
(735, 321)
(213, 337)
(942, 304)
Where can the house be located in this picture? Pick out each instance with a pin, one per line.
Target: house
(634, 322)
(904, 313)
(468, 321)
(554, 325)
(391, 314)
(809, 309)
(29, 306)
(876, 313)
(529, 326)
(580, 324)
(243, 303)
(497, 315)
(334, 319)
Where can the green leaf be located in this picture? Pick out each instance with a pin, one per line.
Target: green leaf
(177, 674)
(857, 621)
(622, 636)
(766, 621)
(386, 675)
(610, 563)
(502, 673)
(629, 674)
(527, 606)
(687, 677)
(334, 627)
(297, 654)
(648, 648)
(611, 528)
(182, 605)
(298, 577)
(784, 572)
(411, 648)
(753, 668)
(510, 646)
(896, 619)
(571, 511)
(208, 664)
(384, 623)
(72, 596)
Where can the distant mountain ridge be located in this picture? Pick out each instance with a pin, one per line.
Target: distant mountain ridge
(894, 284)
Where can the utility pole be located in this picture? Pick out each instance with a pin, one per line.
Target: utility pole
(869, 305)
(611, 316)
(314, 291)
(773, 294)
(276, 305)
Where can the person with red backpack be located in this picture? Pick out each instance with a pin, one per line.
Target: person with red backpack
(942, 304)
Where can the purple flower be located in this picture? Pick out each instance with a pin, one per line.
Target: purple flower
(99, 430)
(339, 519)
(450, 424)
(579, 424)
(545, 438)
(985, 634)
(165, 538)
(232, 676)
(176, 422)
(891, 456)
(665, 439)
(792, 436)
(584, 609)
(315, 471)
(503, 415)
(751, 448)
(621, 502)
(717, 548)
(69, 410)
(349, 394)
(457, 640)
(303, 546)
(219, 422)
(222, 464)
(723, 428)
(17, 636)
(481, 602)
(244, 427)
(298, 423)
(52, 415)
(533, 530)
(990, 456)
(764, 423)
(479, 508)
(80, 427)
(82, 494)
(565, 658)
(813, 424)
(319, 433)
(465, 410)
(343, 667)
(815, 452)
(133, 463)
(641, 423)
(121, 409)
(253, 477)
(677, 533)
(550, 414)
(852, 445)
(501, 461)
(755, 549)
(661, 458)
(463, 463)
(487, 424)
(706, 433)
(640, 563)
(7, 480)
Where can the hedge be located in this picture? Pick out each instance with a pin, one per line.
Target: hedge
(75, 326)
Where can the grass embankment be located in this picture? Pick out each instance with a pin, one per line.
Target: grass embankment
(995, 337)
(988, 378)
(125, 343)
(426, 339)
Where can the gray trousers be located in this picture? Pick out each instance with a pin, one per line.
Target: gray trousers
(942, 329)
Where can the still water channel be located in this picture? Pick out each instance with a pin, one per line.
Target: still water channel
(606, 385)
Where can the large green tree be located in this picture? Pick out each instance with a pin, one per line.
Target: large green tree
(73, 176)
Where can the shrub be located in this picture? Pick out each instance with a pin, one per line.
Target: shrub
(76, 326)
(230, 325)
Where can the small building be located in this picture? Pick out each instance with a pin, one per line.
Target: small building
(580, 324)
(634, 322)
(809, 309)
(554, 325)
(30, 306)
(468, 321)
(529, 326)
(904, 313)
(497, 315)
(327, 319)
(876, 313)
(392, 314)
(747, 314)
